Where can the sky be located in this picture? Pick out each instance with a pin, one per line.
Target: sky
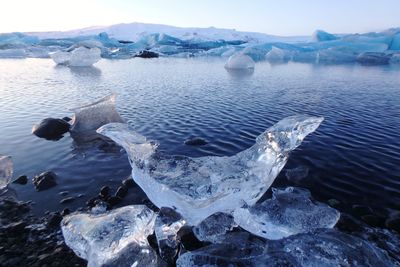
(279, 17)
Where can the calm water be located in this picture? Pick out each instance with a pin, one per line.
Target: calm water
(353, 157)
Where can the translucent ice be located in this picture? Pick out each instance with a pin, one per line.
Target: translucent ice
(6, 170)
(61, 57)
(119, 236)
(290, 211)
(395, 45)
(83, 57)
(240, 61)
(90, 117)
(168, 223)
(321, 36)
(214, 227)
(296, 175)
(199, 187)
(276, 55)
(321, 248)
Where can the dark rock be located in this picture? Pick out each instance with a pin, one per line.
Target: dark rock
(67, 119)
(128, 182)
(393, 223)
(44, 180)
(105, 191)
(188, 239)
(67, 200)
(23, 179)
(373, 58)
(121, 192)
(65, 212)
(114, 200)
(146, 54)
(51, 129)
(361, 210)
(55, 220)
(334, 203)
(14, 227)
(92, 202)
(196, 142)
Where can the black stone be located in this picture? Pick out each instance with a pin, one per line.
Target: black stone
(67, 119)
(196, 142)
(44, 180)
(55, 219)
(114, 200)
(23, 179)
(121, 192)
(146, 54)
(105, 191)
(65, 212)
(51, 129)
(128, 182)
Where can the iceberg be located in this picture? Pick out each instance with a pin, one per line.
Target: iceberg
(78, 57)
(322, 36)
(214, 228)
(290, 211)
(13, 53)
(60, 57)
(240, 61)
(200, 187)
(90, 117)
(321, 248)
(395, 59)
(373, 58)
(119, 236)
(167, 225)
(276, 55)
(6, 171)
(395, 45)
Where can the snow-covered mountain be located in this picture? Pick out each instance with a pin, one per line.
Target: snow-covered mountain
(134, 31)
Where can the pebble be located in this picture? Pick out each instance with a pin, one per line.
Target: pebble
(44, 180)
(23, 179)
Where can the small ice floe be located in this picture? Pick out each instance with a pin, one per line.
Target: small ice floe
(290, 211)
(90, 117)
(6, 171)
(79, 57)
(200, 187)
(240, 61)
(116, 238)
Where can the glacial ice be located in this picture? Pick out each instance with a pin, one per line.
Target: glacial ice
(167, 225)
(61, 57)
(214, 228)
(321, 248)
(89, 118)
(322, 36)
(240, 61)
(276, 55)
(116, 238)
(373, 58)
(395, 45)
(12, 53)
(6, 170)
(78, 57)
(200, 187)
(289, 212)
(395, 59)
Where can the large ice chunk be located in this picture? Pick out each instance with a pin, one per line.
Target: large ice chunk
(290, 211)
(322, 36)
(78, 57)
(119, 236)
(88, 118)
(6, 170)
(321, 248)
(240, 61)
(61, 57)
(199, 187)
(395, 45)
(214, 228)
(276, 55)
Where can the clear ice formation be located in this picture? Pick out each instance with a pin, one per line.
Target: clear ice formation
(290, 211)
(6, 171)
(167, 225)
(321, 248)
(240, 61)
(214, 228)
(89, 118)
(200, 187)
(78, 57)
(116, 238)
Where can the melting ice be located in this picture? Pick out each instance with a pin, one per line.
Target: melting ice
(6, 170)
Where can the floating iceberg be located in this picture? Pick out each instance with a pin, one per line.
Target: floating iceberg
(117, 238)
(214, 228)
(395, 45)
(276, 55)
(200, 187)
(322, 248)
(6, 170)
(12, 53)
(90, 117)
(240, 61)
(289, 212)
(322, 36)
(79, 57)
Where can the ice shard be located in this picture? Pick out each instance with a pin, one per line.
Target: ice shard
(119, 236)
(290, 211)
(88, 118)
(199, 187)
(240, 61)
(321, 248)
(6, 170)
(168, 223)
(214, 227)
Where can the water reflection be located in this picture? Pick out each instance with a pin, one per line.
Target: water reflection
(86, 71)
(240, 73)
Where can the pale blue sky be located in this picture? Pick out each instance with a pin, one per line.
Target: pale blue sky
(280, 17)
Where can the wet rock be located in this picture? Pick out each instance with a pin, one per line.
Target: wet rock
(55, 219)
(91, 202)
(67, 200)
(128, 182)
(14, 227)
(121, 192)
(334, 203)
(114, 200)
(23, 179)
(195, 142)
(146, 54)
(67, 119)
(65, 212)
(44, 180)
(51, 129)
(105, 191)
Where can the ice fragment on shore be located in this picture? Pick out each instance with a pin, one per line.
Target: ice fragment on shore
(214, 227)
(6, 170)
(240, 61)
(290, 211)
(199, 187)
(119, 236)
(90, 117)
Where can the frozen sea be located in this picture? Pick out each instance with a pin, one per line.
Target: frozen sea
(353, 157)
